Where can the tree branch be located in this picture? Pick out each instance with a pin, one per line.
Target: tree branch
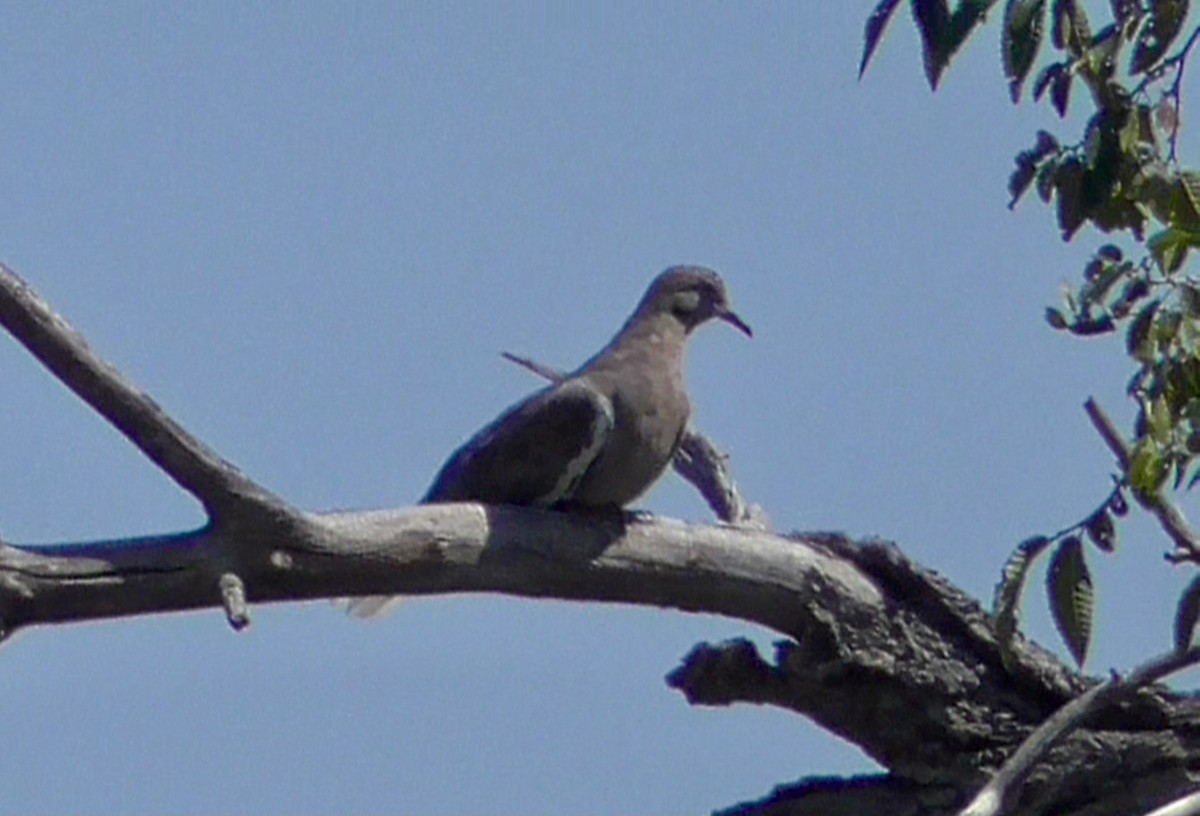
(877, 649)
(1106, 768)
(193, 465)
(999, 795)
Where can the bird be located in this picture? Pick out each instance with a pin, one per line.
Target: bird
(600, 437)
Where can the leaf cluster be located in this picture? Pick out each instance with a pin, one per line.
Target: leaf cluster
(1069, 586)
(1119, 175)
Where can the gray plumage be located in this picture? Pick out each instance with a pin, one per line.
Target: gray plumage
(602, 436)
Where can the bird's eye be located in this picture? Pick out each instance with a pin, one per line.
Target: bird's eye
(686, 302)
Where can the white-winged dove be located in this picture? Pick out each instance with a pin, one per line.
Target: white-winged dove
(599, 438)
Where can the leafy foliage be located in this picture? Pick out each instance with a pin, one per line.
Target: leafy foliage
(1120, 176)
(1024, 22)
(942, 31)
(1069, 583)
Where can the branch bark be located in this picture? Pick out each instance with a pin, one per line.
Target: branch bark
(874, 648)
(193, 465)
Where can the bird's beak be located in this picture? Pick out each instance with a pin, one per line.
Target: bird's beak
(730, 317)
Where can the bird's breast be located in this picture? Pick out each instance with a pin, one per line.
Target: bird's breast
(649, 415)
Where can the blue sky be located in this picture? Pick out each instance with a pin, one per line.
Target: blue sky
(308, 231)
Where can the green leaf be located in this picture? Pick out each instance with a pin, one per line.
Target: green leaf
(1021, 178)
(1101, 51)
(943, 33)
(876, 25)
(1060, 92)
(1166, 19)
(1045, 180)
(1056, 318)
(1024, 23)
(1101, 530)
(1028, 162)
(1159, 421)
(1068, 182)
(1189, 187)
(1091, 326)
(1069, 586)
(1070, 31)
(1045, 77)
(1138, 336)
(933, 23)
(1148, 469)
(1134, 290)
(1007, 599)
(1186, 614)
(1169, 248)
(1101, 276)
(1156, 187)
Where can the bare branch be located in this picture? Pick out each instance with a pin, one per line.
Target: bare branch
(700, 462)
(877, 649)
(1187, 542)
(194, 466)
(543, 371)
(1108, 432)
(430, 549)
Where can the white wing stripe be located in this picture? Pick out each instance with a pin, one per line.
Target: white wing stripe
(602, 422)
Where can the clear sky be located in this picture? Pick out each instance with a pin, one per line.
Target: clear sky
(309, 229)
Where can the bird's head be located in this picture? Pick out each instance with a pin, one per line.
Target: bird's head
(693, 295)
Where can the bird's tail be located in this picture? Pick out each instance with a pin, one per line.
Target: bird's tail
(369, 606)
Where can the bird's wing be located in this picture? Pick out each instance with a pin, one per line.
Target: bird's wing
(535, 453)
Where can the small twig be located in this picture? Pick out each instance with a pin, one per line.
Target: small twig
(193, 465)
(233, 598)
(1108, 432)
(1187, 542)
(999, 793)
(698, 461)
(543, 371)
